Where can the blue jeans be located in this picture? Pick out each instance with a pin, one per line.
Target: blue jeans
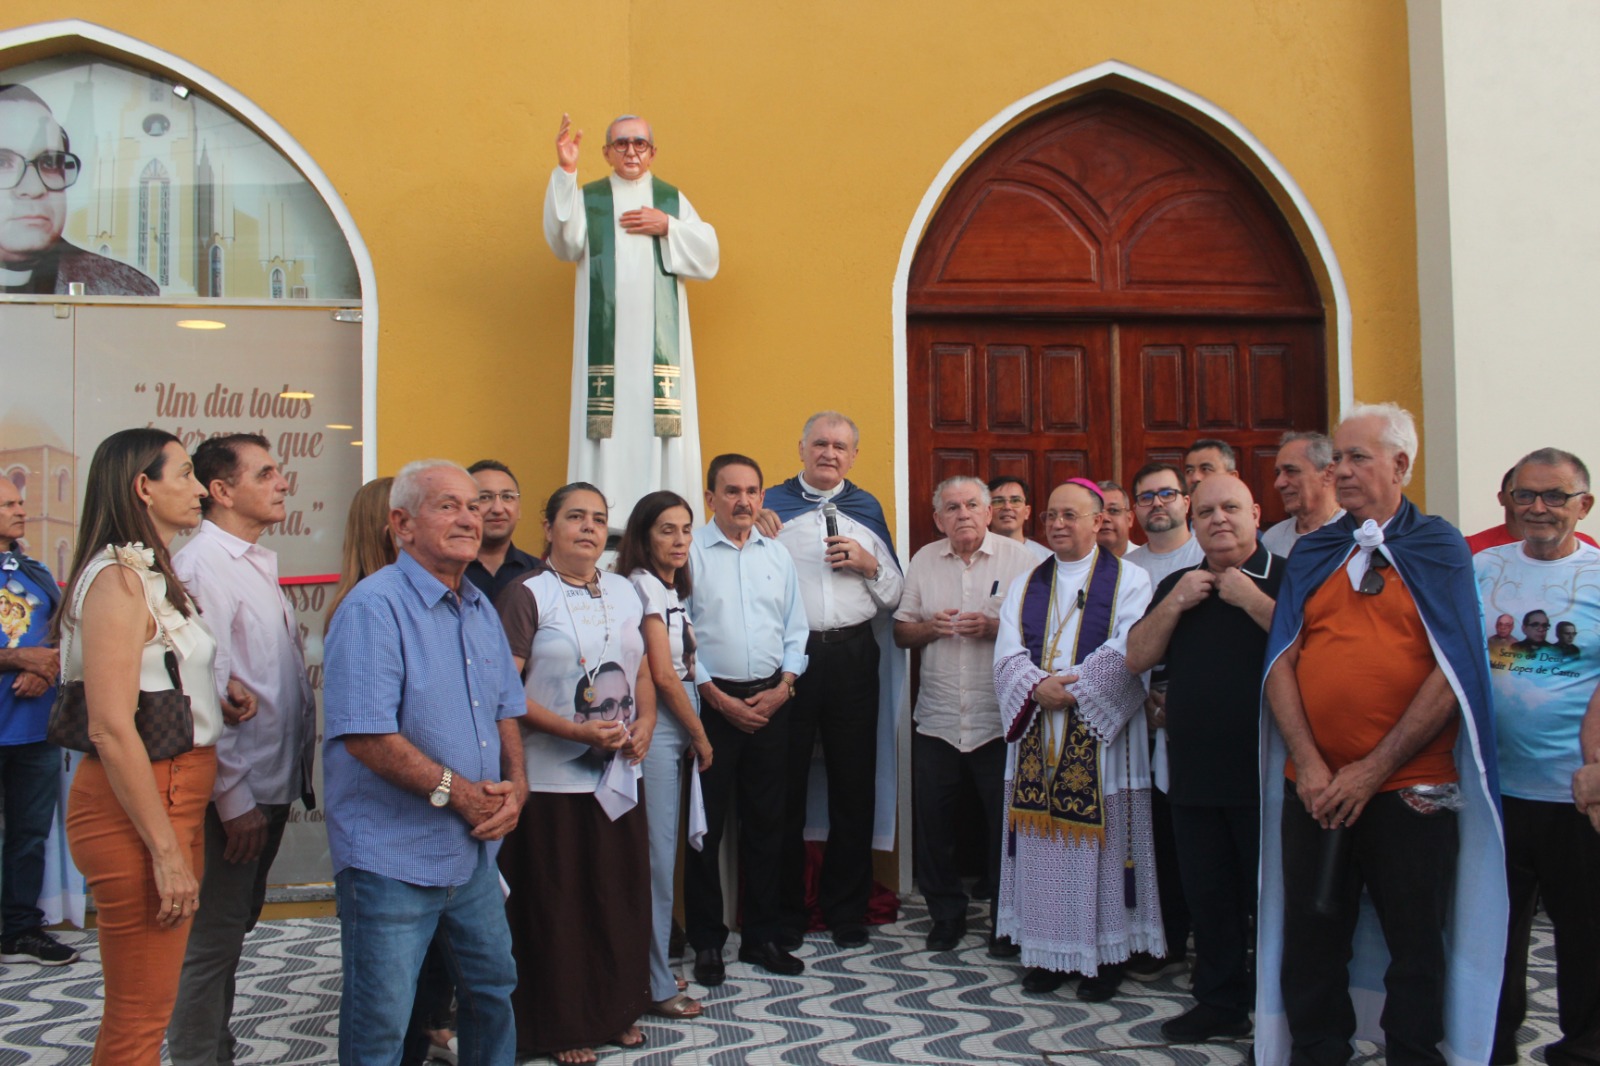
(30, 777)
(384, 930)
(663, 785)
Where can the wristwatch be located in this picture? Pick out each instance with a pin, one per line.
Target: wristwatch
(440, 796)
(789, 682)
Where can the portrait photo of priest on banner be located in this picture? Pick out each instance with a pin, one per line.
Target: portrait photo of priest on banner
(118, 182)
(37, 168)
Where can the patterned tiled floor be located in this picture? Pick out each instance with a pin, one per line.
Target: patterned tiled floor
(888, 1003)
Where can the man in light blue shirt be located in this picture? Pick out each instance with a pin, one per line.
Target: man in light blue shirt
(750, 630)
(423, 770)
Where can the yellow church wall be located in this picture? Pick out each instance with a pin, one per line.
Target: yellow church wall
(807, 133)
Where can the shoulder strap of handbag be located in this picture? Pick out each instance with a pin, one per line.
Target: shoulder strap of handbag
(82, 590)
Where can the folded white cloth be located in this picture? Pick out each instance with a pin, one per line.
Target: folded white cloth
(1159, 772)
(1369, 538)
(697, 813)
(618, 790)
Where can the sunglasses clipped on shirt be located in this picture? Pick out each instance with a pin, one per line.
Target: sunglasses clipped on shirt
(1372, 581)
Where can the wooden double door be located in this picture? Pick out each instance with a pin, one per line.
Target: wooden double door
(1047, 400)
(1103, 285)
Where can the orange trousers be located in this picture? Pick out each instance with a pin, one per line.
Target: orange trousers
(140, 959)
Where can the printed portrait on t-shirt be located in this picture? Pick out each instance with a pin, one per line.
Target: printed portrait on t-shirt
(607, 696)
(1535, 634)
(1566, 639)
(1501, 640)
(17, 605)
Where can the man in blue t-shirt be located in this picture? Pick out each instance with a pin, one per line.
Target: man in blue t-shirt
(30, 768)
(1541, 690)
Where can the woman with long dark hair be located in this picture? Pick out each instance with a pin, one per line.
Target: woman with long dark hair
(654, 555)
(578, 862)
(136, 827)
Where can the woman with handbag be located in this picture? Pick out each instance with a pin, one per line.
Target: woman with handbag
(578, 861)
(148, 706)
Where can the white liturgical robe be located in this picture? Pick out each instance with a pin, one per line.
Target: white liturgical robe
(1067, 903)
(633, 461)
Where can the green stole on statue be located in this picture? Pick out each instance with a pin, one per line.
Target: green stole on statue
(667, 370)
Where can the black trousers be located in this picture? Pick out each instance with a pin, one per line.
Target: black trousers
(1407, 862)
(837, 702)
(755, 764)
(1218, 851)
(939, 774)
(1169, 883)
(1553, 853)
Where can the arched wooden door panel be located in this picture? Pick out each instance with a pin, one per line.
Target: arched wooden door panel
(1029, 399)
(1105, 284)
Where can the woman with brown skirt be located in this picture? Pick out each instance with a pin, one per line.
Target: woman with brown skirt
(578, 862)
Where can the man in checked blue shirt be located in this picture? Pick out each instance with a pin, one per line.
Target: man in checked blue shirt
(423, 771)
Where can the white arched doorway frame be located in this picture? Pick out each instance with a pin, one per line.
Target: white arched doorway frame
(139, 53)
(1291, 199)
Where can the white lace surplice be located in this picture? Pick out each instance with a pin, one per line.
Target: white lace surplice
(1064, 903)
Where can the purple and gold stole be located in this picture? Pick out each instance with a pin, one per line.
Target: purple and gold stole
(1069, 804)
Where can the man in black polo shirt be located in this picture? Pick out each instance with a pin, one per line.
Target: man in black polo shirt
(1208, 623)
(499, 562)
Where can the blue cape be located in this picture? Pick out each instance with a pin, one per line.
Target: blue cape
(791, 498)
(1432, 558)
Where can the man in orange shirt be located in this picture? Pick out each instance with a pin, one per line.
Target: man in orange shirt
(1376, 662)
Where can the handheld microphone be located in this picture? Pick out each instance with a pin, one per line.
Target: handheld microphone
(830, 516)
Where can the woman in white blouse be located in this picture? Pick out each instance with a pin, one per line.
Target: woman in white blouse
(655, 555)
(135, 826)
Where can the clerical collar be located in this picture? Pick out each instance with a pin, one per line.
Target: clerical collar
(14, 278)
(1075, 565)
(811, 492)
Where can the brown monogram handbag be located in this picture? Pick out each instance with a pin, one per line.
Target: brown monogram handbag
(164, 719)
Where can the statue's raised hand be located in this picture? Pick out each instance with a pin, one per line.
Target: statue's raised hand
(567, 141)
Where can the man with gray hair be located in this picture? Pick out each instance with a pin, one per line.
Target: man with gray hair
(1541, 693)
(424, 775)
(850, 582)
(1378, 691)
(950, 609)
(635, 420)
(1303, 476)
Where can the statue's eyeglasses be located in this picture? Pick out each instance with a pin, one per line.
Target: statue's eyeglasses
(631, 145)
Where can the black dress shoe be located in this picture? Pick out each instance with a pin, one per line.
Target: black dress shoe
(851, 936)
(946, 933)
(789, 940)
(1202, 1022)
(708, 968)
(1003, 947)
(772, 958)
(1102, 986)
(1042, 982)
